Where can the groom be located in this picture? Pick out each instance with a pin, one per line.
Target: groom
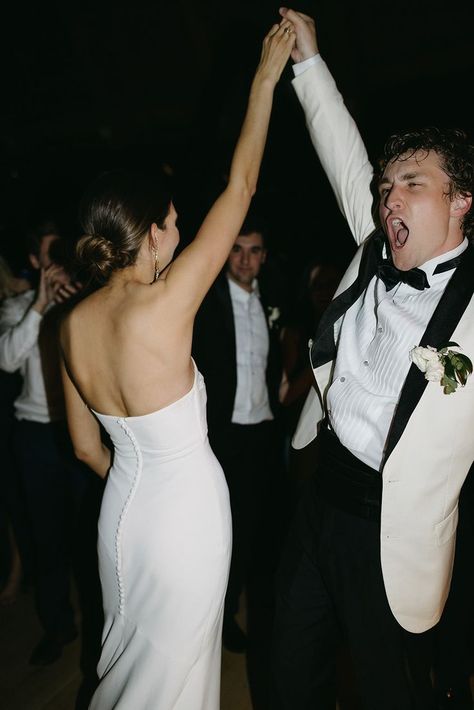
(371, 551)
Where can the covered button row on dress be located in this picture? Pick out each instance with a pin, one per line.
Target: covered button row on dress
(133, 487)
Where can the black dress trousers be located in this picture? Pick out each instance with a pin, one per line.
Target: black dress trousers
(330, 591)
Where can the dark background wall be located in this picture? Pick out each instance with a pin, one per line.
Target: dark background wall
(94, 85)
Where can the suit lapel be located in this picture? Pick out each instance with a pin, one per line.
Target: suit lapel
(444, 320)
(324, 348)
(223, 294)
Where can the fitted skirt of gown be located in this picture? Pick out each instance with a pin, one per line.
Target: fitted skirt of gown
(164, 552)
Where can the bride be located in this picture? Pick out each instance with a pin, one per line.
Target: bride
(164, 529)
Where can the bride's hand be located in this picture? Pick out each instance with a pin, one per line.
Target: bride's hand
(276, 50)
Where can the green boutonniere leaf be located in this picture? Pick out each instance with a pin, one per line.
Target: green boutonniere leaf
(464, 362)
(448, 367)
(449, 385)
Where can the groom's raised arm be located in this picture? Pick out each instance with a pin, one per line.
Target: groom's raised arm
(332, 129)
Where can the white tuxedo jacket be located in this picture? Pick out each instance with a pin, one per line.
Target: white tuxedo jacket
(430, 447)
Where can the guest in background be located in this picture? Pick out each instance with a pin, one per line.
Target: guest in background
(12, 523)
(28, 344)
(236, 346)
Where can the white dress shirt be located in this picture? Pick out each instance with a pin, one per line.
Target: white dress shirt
(19, 350)
(374, 339)
(251, 405)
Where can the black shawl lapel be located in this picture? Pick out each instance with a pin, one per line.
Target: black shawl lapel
(444, 321)
(223, 294)
(324, 347)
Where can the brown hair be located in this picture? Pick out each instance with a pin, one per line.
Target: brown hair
(116, 214)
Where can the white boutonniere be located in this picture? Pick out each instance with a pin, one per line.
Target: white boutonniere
(273, 315)
(448, 367)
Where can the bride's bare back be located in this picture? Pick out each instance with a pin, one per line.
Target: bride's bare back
(125, 352)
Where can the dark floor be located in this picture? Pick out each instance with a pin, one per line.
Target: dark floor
(23, 687)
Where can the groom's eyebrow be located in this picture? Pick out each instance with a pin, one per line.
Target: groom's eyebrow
(412, 175)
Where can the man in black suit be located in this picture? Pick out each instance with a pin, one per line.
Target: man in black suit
(236, 347)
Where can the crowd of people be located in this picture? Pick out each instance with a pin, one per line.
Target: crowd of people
(308, 454)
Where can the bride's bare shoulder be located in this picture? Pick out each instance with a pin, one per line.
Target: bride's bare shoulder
(84, 306)
(116, 310)
(81, 312)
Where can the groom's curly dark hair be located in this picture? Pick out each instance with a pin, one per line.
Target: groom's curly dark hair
(456, 155)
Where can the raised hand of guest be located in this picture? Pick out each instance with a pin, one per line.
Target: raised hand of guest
(55, 286)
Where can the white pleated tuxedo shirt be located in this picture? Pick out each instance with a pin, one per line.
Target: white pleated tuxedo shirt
(374, 338)
(251, 404)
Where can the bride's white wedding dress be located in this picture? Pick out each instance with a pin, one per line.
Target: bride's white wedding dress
(164, 553)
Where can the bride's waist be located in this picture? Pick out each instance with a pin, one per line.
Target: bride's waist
(149, 455)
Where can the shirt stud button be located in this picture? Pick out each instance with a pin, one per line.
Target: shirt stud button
(343, 379)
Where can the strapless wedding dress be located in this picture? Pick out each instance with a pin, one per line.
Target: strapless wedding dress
(164, 552)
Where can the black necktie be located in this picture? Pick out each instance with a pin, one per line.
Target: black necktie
(415, 277)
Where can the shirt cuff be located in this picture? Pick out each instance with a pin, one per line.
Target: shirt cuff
(301, 67)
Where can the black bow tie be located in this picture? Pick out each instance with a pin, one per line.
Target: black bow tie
(391, 276)
(415, 277)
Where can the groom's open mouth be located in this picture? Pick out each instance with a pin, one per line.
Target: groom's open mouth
(398, 233)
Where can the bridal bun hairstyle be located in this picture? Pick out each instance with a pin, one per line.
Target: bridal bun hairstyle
(116, 214)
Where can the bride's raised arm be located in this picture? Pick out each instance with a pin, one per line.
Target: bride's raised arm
(193, 272)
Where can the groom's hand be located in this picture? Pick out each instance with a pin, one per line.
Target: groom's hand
(306, 43)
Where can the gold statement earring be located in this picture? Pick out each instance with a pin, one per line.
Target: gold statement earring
(157, 265)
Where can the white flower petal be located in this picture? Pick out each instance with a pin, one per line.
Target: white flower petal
(434, 371)
(429, 354)
(418, 359)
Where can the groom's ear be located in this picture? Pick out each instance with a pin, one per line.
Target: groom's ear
(460, 205)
